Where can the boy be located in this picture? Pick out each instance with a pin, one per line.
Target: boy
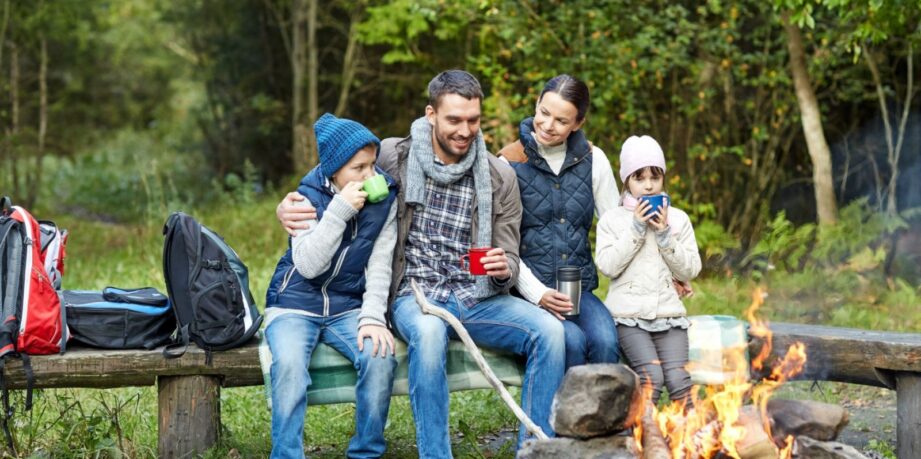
(332, 286)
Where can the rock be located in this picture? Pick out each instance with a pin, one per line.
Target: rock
(807, 448)
(610, 447)
(596, 400)
(817, 420)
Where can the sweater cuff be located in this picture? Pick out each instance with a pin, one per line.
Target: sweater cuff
(664, 237)
(341, 208)
(639, 228)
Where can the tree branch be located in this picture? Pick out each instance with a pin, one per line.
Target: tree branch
(428, 308)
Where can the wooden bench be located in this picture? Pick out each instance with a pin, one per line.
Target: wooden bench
(189, 390)
(882, 359)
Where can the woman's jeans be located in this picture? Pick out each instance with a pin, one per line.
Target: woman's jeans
(500, 322)
(591, 337)
(292, 339)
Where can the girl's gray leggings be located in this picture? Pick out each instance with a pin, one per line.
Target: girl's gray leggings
(658, 358)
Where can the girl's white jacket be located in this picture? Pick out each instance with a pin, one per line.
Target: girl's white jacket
(641, 272)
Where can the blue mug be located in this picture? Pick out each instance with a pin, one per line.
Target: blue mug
(655, 201)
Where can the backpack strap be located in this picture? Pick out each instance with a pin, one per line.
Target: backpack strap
(170, 351)
(30, 379)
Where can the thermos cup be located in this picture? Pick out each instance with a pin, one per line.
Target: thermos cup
(569, 282)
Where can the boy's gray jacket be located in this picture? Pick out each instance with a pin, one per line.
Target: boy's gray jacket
(506, 210)
(641, 271)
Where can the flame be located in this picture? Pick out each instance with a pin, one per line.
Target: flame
(712, 425)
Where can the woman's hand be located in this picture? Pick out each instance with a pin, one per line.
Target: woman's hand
(354, 195)
(294, 218)
(380, 337)
(556, 303)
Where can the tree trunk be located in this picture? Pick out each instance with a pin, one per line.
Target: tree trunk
(35, 177)
(348, 65)
(826, 207)
(313, 73)
(14, 119)
(298, 65)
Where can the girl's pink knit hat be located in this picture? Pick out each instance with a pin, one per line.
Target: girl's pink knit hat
(639, 152)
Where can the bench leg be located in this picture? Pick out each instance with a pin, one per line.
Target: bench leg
(908, 414)
(190, 414)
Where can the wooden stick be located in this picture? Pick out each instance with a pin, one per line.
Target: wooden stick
(441, 313)
(654, 446)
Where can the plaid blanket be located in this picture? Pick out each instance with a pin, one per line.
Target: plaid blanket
(333, 376)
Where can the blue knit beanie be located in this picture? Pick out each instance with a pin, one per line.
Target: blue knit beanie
(338, 139)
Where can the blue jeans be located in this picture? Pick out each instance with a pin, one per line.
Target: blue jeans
(500, 322)
(591, 337)
(292, 339)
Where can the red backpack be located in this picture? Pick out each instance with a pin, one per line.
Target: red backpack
(31, 266)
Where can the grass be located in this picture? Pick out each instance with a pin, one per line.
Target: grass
(122, 422)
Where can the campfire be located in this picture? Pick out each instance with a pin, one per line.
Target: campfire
(732, 419)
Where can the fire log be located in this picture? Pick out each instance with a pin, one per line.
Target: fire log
(654, 445)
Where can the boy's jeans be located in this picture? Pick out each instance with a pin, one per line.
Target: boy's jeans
(501, 322)
(292, 339)
(591, 337)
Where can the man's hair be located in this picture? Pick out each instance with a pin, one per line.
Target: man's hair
(454, 82)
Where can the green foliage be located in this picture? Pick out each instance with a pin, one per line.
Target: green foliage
(782, 246)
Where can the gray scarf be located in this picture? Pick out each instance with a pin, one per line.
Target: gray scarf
(421, 164)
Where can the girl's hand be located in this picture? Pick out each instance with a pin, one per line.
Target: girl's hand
(660, 222)
(380, 337)
(556, 303)
(353, 195)
(639, 212)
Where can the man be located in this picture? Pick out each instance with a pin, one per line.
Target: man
(455, 195)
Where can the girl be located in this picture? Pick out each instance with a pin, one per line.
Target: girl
(564, 182)
(318, 294)
(642, 250)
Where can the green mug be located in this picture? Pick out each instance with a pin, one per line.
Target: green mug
(376, 187)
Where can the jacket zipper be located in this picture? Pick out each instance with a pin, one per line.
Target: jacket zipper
(286, 279)
(330, 279)
(336, 271)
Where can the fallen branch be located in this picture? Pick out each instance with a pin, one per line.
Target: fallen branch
(654, 445)
(429, 308)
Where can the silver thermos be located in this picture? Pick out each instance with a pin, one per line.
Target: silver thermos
(569, 282)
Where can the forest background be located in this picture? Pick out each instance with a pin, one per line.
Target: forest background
(791, 128)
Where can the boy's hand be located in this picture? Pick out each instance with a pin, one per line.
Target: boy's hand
(380, 337)
(294, 218)
(496, 264)
(354, 195)
(556, 303)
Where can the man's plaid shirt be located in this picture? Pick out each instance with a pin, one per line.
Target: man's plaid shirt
(439, 236)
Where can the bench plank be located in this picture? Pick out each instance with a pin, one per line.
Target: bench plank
(848, 355)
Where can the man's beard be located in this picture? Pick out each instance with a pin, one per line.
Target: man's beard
(445, 146)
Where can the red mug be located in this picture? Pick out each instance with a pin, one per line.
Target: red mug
(474, 258)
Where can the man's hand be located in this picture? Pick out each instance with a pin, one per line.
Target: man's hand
(496, 264)
(294, 218)
(556, 303)
(380, 337)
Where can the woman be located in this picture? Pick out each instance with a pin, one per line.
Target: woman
(564, 182)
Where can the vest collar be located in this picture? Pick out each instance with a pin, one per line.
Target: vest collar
(577, 147)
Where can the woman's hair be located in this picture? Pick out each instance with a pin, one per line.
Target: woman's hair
(572, 90)
(655, 171)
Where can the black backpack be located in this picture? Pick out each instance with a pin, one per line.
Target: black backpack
(208, 287)
(119, 318)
